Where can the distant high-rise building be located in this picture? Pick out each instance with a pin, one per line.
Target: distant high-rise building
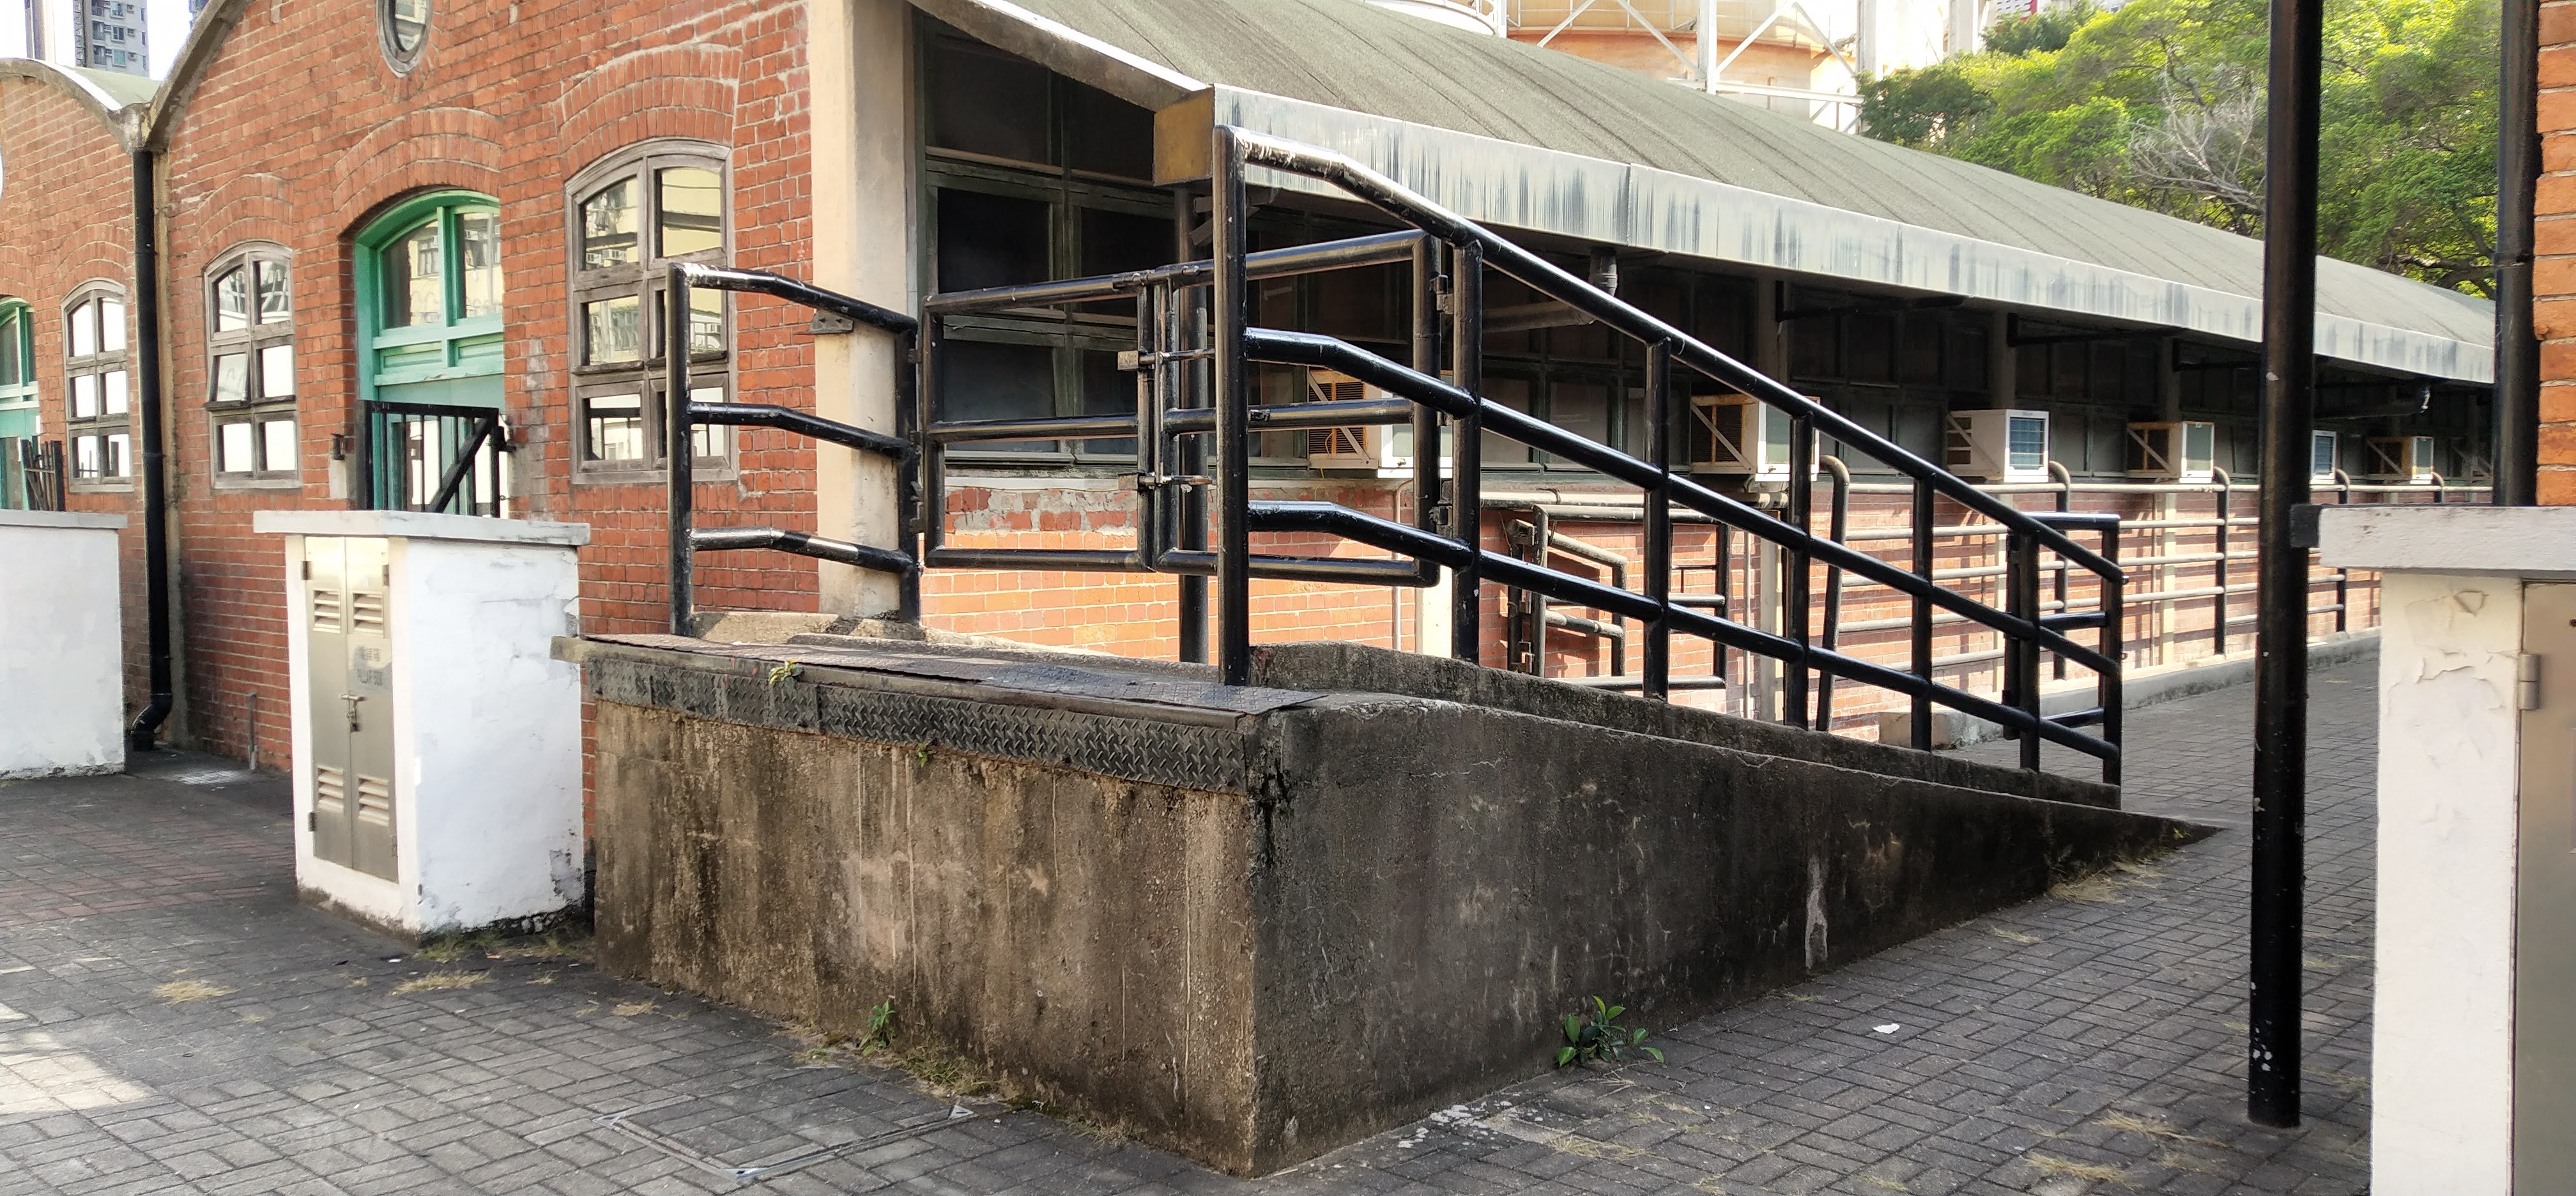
(108, 36)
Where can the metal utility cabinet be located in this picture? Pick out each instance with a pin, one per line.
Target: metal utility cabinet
(2473, 1055)
(437, 743)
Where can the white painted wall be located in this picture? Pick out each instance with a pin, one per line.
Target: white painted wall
(487, 725)
(62, 648)
(2442, 1017)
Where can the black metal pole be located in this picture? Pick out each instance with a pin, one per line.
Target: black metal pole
(2281, 630)
(1467, 488)
(680, 464)
(1233, 415)
(1925, 505)
(1426, 422)
(1794, 590)
(1659, 521)
(2517, 350)
(156, 485)
(1186, 451)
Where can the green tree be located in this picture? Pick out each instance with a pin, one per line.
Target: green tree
(2161, 105)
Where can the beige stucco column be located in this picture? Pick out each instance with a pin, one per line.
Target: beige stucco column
(859, 72)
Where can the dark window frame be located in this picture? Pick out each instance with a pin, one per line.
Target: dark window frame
(711, 372)
(258, 406)
(109, 435)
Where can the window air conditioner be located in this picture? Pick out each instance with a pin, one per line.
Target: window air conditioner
(2183, 451)
(2407, 460)
(1373, 447)
(1998, 445)
(1739, 434)
(2325, 456)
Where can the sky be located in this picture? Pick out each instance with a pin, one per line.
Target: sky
(165, 29)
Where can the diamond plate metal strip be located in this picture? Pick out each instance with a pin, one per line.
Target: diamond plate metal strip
(1190, 757)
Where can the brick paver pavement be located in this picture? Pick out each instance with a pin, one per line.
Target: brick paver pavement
(172, 1022)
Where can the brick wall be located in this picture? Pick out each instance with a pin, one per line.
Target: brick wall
(2554, 241)
(66, 218)
(299, 133)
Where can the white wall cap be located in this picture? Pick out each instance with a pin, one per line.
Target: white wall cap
(65, 519)
(419, 525)
(2465, 538)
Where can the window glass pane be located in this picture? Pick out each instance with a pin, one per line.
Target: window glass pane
(277, 372)
(232, 377)
(1106, 134)
(706, 320)
(2028, 447)
(616, 431)
(692, 210)
(86, 453)
(111, 325)
(277, 445)
(276, 304)
(232, 300)
(608, 226)
(1106, 390)
(987, 103)
(978, 380)
(112, 392)
(13, 367)
(233, 448)
(990, 240)
(481, 234)
(409, 21)
(85, 330)
(415, 279)
(707, 441)
(613, 330)
(117, 461)
(84, 396)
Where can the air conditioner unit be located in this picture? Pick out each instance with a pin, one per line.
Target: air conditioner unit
(2403, 459)
(1998, 445)
(2179, 451)
(2325, 456)
(1739, 434)
(1374, 447)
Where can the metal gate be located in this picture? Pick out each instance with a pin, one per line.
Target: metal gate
(429, 457)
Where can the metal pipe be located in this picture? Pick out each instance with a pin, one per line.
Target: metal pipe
(1232, 400)
(2218, 616)
(1801, 514)
(156, 483)
(1053, 427)
(722, 539)
(726, 278)
(1466, 469)
(1333, 414)
(2518, 165)
(806, 424)
(2281, 641)
(1838, 523)
(1659, 514)
(1924, 502)
(1181, 310)
(680, 464)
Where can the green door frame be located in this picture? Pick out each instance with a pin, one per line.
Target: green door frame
(462, 376)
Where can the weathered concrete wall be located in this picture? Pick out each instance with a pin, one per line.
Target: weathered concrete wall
(62, 707)
(1251, 939)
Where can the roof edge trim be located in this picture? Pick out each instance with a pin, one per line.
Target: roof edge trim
(118, 119)
(1511, 185)
(1065, 50)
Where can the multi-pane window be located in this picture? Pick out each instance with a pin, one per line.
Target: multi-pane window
(250, 345)
(632, 217)
(402, 25)
(99, 408)
(20, 421)
(429, 291)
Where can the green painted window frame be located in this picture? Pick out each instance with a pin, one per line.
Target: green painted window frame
(455, 381)
(18, 396)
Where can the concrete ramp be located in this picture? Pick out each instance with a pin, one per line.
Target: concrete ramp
(1252, 924)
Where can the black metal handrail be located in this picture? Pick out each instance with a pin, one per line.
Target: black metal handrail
(681, 418)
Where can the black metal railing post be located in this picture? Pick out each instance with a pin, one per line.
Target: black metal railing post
(1467, 485)
(2218, 618)
(1837, 527)
(2021, 653)
(2113, 640)
(680, 467)
(1426, 422)
(1926, 503)
(1659, 521)
(1188, 453)
(1794, 588)
(1232, 399)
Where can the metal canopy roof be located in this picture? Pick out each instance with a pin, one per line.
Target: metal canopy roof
(1516, 136)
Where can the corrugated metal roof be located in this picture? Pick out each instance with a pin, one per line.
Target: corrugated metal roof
(1348, 55)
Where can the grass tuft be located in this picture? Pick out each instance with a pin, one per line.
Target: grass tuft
(180, 992)
(441, 982)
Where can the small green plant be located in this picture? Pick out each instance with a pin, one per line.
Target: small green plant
(1598, 1035)
(785, 671)
(880, 1033)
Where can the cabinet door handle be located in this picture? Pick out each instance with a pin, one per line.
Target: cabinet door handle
(353, 700)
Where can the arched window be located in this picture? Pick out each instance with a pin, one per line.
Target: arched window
(631, 216)
(99, 416)
(250, 365)
(402, 25)
(429, 354)
(20, 423)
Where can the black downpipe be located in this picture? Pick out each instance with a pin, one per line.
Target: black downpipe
(2281, 627)
(156, 491)
(2517, 350)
